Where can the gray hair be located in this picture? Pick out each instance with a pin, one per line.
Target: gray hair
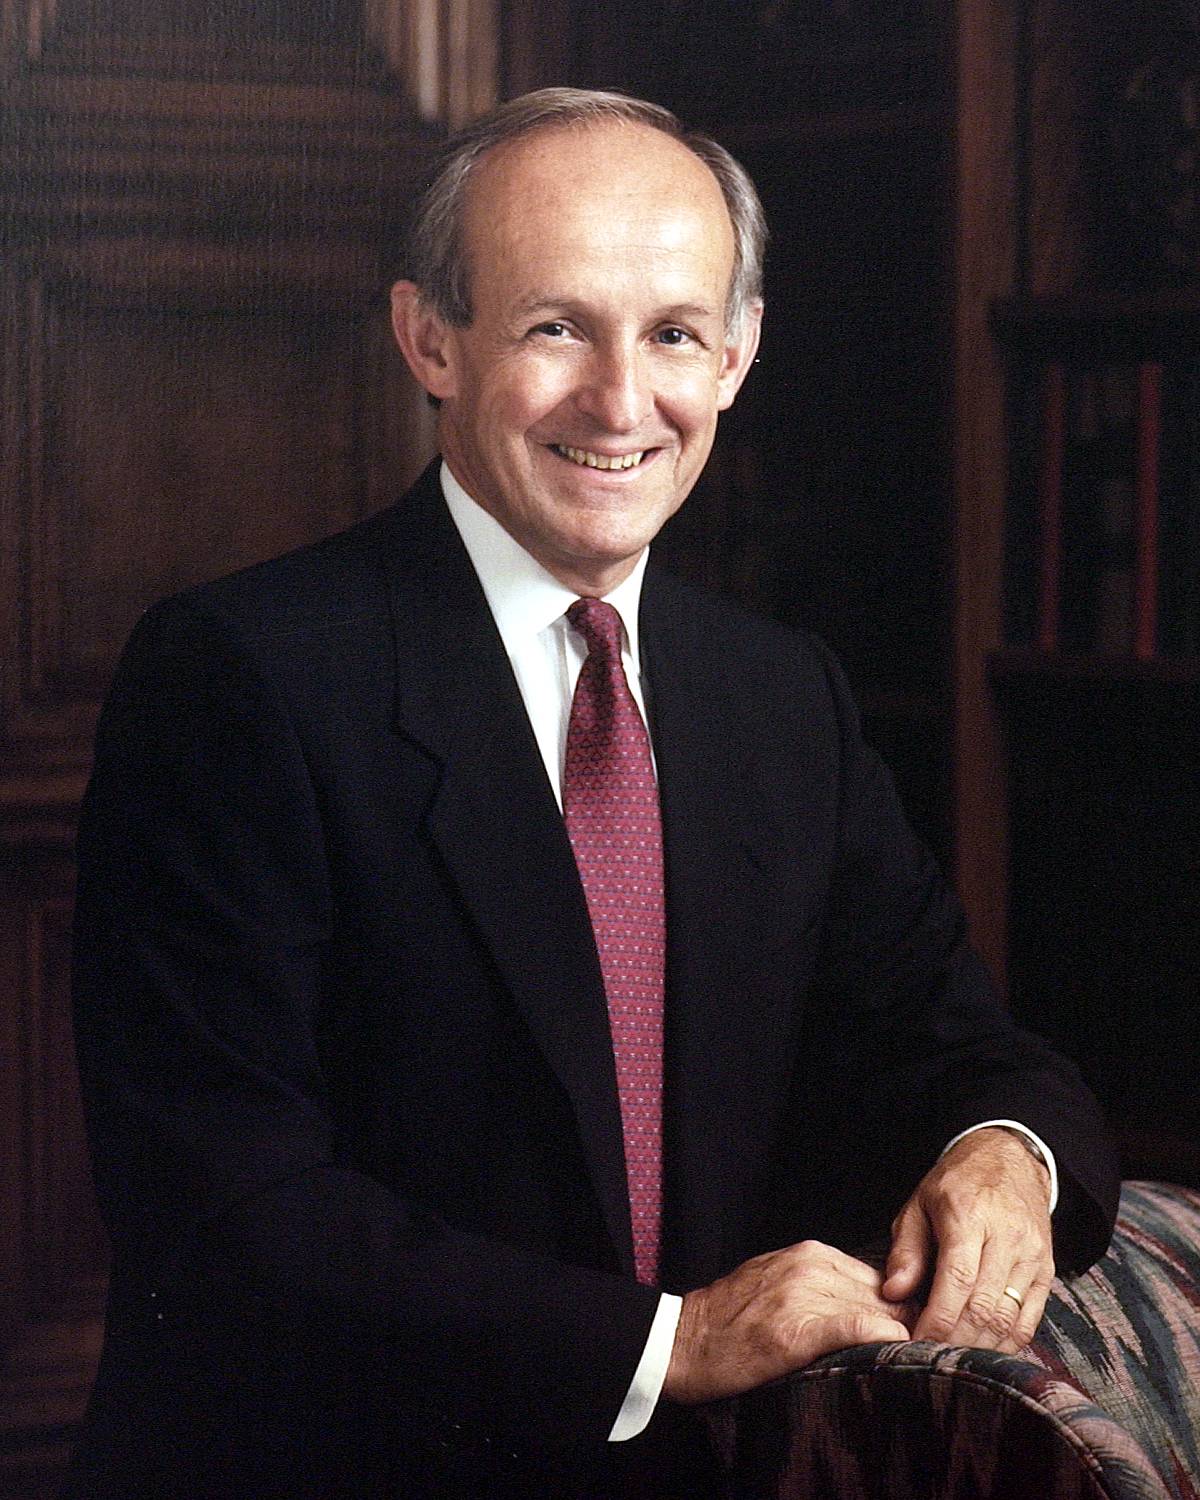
(435, 255)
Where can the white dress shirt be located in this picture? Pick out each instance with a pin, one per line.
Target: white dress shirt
(529, 606)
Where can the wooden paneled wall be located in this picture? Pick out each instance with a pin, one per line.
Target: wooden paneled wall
(198, 207)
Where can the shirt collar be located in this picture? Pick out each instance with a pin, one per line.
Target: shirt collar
(523, 596)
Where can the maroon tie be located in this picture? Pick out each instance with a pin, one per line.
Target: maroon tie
(610, 800)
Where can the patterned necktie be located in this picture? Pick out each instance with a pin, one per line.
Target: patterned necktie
(610, 801)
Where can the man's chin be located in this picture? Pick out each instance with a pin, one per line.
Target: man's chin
(590, 566)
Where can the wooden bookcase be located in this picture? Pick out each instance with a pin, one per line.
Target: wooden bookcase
(1093, 768)
(1102, 724)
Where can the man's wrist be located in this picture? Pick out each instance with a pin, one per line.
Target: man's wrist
(1034, 1144)
(1028, 1142)
(647, 1383)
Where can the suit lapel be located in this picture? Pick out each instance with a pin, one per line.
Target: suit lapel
(496, 825)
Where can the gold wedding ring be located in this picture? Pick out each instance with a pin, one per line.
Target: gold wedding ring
(1011, 1291)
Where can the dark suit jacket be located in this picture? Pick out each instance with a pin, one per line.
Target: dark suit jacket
(343, 1038)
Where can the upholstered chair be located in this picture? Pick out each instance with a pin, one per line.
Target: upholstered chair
(1104, 1404)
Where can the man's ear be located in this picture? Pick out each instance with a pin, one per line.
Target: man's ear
(425, 340)
(739, 356)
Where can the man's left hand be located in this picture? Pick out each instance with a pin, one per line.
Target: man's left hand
(978, 1223)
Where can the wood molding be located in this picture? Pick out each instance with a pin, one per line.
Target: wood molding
(66, 1249)
(168, 37)
(45, 1381)
(438, 61)
(1057, 126)
(223, 161)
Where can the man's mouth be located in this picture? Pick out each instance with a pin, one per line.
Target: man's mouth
(590, 460)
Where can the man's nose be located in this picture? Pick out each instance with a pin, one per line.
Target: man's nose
(616, 391)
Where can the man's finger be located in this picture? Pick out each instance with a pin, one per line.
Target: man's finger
(954, 1279)
(908, 1261)
(853, 1268)
(1030, 1316)
(849, 1329)
(812, 1270)
(996, 1301)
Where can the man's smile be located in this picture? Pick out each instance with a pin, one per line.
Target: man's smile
(592, 460)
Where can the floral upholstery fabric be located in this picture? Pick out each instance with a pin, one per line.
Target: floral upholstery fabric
(1105, 1404)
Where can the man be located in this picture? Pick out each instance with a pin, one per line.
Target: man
(426, 1171)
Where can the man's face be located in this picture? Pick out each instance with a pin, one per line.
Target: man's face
(580, 404)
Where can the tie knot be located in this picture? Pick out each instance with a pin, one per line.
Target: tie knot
(599, 624)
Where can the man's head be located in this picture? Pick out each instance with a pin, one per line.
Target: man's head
(584, 298)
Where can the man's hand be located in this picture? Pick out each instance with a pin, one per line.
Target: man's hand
(775, 1314)
(983, 1211)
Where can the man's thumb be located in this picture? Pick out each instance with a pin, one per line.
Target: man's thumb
(908, 1259)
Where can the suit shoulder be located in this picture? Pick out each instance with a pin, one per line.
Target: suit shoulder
(326, 585)
(329, 589)
(730, 627)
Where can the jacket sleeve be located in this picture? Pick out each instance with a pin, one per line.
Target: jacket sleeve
(918, 1035)
(203, 918)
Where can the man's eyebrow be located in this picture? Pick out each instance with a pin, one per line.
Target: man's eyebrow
(545, 303)
(542, 302)
(681, 310)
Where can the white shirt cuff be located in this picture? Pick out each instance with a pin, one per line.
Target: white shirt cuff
(646, 1386)
(1043, 1150)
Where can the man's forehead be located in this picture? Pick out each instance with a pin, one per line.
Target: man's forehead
(587, 158)
(591, 192)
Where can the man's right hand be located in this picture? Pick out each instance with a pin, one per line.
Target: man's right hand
(775, 1314)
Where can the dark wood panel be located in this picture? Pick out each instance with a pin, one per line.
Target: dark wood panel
(12, 1113)
(220, 39)
(437, 59)
(168, 443)
(195, 368)
(67, 1251)
(44, 1385)
(53, 1256)
(318, 21)
(985, 246)
(177, 448)
(733, 63)
(1057, 120)
(81, 155)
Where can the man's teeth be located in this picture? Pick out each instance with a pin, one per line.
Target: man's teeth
(601, 460)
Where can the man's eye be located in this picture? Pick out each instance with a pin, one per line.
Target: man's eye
(552, 330)
(673, 336)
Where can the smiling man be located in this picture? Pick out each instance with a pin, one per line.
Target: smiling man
(508, 991)
(581, 398)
